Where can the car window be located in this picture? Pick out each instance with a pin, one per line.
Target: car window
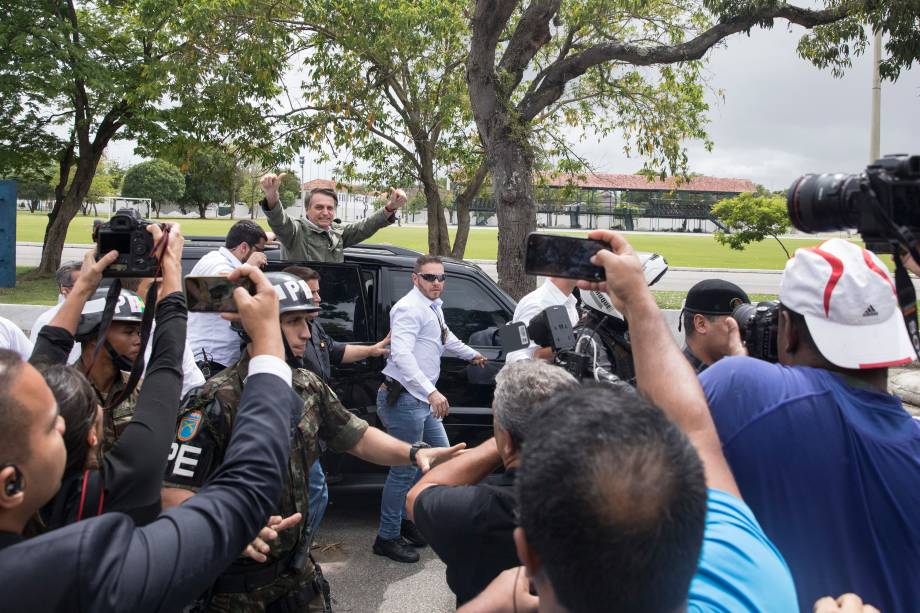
(468, 307)
(344, 314)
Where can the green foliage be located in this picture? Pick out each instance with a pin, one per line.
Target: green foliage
(290, 188)
(156, 179)
(751, 218)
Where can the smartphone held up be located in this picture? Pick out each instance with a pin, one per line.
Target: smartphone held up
(213, 294)
(569, 257)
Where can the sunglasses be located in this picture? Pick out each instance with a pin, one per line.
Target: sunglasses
(432, 278)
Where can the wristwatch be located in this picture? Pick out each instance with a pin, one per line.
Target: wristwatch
(413, 450)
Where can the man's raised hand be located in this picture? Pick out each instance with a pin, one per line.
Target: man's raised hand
(270, 184)
(625, 280)
(397, 199)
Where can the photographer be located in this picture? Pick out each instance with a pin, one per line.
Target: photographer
(108, 563)
(710, 331)
(627, 507)
(127, 477)
(828, 460)
(467, 521)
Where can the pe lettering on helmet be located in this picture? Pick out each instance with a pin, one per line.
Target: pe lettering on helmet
(135, 303)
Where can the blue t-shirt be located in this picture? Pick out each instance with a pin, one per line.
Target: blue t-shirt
(740, 569)
(832, 473)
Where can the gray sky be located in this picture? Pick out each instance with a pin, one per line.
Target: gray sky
(781, 117)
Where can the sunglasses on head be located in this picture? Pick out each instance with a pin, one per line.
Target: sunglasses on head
(432, 278)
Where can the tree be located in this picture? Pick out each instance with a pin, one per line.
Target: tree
(385, 90)
(634, 68)
(751, 218)
(135, 69)
(210, 177)
(290, 188)
(34, 184)
(156, 179)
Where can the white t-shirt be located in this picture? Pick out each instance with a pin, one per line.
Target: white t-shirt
(208, 331)
(533, 304)
(14, 339)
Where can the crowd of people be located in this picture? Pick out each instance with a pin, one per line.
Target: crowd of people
(702, 480)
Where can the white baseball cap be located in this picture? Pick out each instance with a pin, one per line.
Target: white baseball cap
(849, 303)
(653, 265)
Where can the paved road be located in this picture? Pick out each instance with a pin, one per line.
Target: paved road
(676, 279)
(362, 582)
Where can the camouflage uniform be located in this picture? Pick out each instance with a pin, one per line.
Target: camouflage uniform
(203, 433)
(115, 419)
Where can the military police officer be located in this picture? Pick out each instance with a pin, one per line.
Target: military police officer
(282, 576)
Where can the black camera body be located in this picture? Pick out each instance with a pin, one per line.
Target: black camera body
(759, 327)
(888, 191)
(126, 232)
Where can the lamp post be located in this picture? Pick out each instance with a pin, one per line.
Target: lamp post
(303, 193)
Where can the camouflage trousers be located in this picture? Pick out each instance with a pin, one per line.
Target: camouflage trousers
(269, 599)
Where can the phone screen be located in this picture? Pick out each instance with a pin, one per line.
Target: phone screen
(212, 294)
(563, 256)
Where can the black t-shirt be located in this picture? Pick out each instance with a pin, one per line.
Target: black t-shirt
(470, 528)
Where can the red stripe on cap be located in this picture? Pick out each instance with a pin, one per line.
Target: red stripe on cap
(836, 273)
(887, 364)
(874, 268)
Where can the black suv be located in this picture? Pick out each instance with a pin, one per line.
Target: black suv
(357, 298)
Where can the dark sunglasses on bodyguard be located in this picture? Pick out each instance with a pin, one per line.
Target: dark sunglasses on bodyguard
(427, 276)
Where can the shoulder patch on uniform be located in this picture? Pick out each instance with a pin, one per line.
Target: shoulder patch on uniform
(188, 426)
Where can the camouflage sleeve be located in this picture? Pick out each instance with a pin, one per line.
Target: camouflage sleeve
(202, 435)
(338, 427)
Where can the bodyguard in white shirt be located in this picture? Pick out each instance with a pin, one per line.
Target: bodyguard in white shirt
(418, 338)
(553, 292)
(214, 344)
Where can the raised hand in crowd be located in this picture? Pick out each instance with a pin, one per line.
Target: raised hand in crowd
(259, 548)
(270, 184)
(848, 603)
(68, 316)
(397, 199)
(509, 592)
(736, 345)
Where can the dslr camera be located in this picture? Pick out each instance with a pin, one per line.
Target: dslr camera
(126, 232)
(880, 203)
(759, 325)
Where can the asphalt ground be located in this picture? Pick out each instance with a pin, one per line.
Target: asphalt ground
(362, 582)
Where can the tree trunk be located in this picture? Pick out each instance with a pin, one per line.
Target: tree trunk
(202, 209)
(511, 164)
(64, 212)
(463, 210)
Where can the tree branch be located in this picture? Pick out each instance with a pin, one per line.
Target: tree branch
(531, 33)
(561, 72)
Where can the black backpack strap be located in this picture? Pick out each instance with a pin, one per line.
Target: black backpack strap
(92, 495)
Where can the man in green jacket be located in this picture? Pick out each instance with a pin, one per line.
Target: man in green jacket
(318, 238)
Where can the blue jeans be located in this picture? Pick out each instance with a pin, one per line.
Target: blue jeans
(319, 497)
(409, 420)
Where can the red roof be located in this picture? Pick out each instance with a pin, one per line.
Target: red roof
(640, 182)
(321, 184)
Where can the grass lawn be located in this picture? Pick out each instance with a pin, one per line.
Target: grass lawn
(31, 288)
(679, 249)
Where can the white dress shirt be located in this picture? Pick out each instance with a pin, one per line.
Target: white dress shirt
(415, 344)
(207, 330)
(533, 304)
(44, 319)
(12, 338)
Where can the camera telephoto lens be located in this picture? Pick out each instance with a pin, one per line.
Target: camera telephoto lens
(820, 203)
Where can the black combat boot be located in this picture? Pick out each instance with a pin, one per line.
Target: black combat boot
(412, 534)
